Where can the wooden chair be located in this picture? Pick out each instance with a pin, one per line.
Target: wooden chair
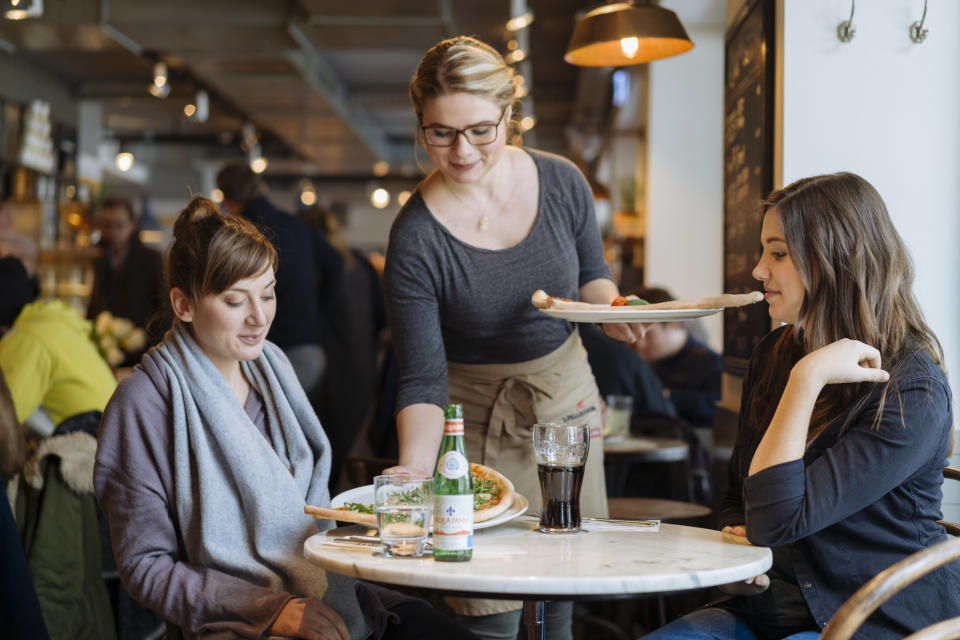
(886, 584)
(953, 528)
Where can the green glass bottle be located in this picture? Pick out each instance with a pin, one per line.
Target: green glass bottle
(453, 493)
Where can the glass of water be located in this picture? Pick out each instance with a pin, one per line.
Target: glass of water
(619, 413)
(404, 507)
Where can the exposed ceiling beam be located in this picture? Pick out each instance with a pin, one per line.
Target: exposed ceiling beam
(322, 78)
(374, 21)
(115, 34)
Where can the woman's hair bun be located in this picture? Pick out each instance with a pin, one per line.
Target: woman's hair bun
(199, 208)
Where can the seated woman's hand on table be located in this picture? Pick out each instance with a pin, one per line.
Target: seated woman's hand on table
(309, 618)
(750, 586)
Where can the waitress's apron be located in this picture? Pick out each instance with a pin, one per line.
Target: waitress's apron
(502, 402)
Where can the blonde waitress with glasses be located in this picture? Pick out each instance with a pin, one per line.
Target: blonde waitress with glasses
(487, 227)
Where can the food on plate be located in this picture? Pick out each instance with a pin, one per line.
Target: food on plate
(541, 300)
(628, 301)
(493, 494)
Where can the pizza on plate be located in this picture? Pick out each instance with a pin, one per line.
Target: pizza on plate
(493, 494)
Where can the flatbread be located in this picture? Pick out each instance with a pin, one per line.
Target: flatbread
(541, 300)
(342, 515)
(500, 499)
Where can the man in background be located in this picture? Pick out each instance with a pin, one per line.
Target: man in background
(689, 370)
(309, 274)
(128, 276)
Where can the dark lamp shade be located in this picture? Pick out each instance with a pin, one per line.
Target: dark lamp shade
(597, 36)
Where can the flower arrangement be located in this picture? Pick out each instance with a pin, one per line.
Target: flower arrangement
(116, 337)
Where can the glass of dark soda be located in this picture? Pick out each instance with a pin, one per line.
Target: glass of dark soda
(561, 451)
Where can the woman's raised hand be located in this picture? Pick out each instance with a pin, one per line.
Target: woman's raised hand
(845, 360)
(309, 618)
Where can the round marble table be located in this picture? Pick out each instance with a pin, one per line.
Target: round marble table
(514, 561)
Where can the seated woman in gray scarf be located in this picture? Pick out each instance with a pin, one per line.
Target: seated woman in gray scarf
(208, 453)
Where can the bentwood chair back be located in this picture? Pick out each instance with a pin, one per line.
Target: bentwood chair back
(888, 583)
(953, 528)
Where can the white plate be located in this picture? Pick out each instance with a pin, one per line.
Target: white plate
(636, 314)
(364, 495)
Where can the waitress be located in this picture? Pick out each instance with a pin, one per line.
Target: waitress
(487, 227)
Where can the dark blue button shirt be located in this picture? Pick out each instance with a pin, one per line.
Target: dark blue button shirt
(865, 495)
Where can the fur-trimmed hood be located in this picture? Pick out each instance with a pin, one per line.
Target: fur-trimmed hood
(76, 451)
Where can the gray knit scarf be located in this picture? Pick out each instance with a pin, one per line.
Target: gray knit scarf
(240, 500)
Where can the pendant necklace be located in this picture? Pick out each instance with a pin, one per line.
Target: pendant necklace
(483, 222)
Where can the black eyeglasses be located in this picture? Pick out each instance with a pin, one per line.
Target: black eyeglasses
(477, 134)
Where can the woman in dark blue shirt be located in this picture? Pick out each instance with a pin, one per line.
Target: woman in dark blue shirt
(844, 428)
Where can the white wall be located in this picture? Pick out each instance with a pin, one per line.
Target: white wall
(889, 110)
(684, 247)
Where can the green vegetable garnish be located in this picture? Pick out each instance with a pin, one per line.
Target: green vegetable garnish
(360, 507)
(483, 490)
(633, 302)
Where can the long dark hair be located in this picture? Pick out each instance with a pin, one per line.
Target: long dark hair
(858, 284)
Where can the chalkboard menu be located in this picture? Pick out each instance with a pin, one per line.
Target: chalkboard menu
(747, 172)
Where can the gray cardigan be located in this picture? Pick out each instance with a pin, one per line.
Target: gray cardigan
(134, 487)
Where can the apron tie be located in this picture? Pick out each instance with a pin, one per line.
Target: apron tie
(517, 396)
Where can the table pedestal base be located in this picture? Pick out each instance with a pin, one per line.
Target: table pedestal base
(533, 619)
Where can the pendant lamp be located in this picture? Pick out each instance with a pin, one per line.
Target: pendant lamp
(625, 33)
(17, 9)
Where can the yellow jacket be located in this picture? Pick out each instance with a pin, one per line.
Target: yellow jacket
(48, 359)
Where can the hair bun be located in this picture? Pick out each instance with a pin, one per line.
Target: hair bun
(198, 209)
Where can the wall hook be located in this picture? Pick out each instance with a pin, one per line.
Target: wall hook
(917, 31)
(845, 30)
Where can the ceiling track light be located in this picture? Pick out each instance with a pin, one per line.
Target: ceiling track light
(248, 136)
(308, 193)
(258, 164)
(515, 56)
(521, 21)
(124, 159)
(160, 88)
(22, 9)
(626, 33)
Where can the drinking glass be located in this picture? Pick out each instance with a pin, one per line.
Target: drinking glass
(561, 451)
(619, 412)
(404, 507)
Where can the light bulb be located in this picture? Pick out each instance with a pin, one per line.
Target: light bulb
(124, 161)
(381, 168)
(520, 22)
(217, 196)
(258, 164)
(380, 198)
(629, 46)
